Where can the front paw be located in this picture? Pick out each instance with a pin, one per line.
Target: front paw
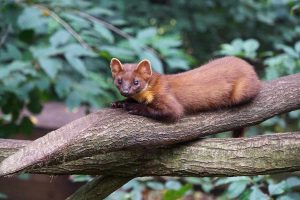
(134, 109)
(117, 104)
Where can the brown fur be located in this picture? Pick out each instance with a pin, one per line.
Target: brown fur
(222, 82)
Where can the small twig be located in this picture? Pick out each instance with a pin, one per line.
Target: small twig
(116, 30)
(106, 24)
(5, 34)
(65, 25)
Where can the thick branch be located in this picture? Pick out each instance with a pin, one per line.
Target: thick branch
(114, 130)
(265, 154)
(99, 188)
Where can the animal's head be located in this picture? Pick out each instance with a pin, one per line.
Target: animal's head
(131, 79)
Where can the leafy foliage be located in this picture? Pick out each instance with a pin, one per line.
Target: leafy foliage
(253, 188)
(176, 194)
(55, 51)
(3, 196)
(284, 60)
(80, 178)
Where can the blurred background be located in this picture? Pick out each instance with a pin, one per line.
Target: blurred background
(54, 68)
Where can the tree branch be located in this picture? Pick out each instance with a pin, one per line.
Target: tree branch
(65, 25)
(265, 154)
(114, 130)
(116, 30)
(99, 188)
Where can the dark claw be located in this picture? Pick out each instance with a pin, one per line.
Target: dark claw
(135, 111)
(117, 105)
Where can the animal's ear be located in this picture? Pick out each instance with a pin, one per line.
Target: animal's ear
(115, 66)
(144, 68)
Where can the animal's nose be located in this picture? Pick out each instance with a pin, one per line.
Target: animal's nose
(126, 92)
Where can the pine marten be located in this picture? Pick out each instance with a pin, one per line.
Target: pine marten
(220, 83)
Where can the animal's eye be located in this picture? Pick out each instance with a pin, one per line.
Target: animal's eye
(135, 82)
(119, 81)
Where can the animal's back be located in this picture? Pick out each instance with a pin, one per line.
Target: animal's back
(221, 82)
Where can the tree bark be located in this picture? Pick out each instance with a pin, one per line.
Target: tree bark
(114, 130)
(264, 154)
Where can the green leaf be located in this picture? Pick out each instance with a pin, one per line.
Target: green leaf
(259, 178)
(3, 196)
(207, 186)
(294, 114)
(176, 194)
(73, 100)
(245, 195)
(293, 181)
(104, 32)
(155, 61)
(236, 188)
(223, 181)
(13, 51)
(24, 176)
(63, 86)
(251, 45)
(228, 49)
(173, 184)
(131, 184)
(258, 194)
(39, 52)
(279, 188)
(297, 47)
(288, 50)
(76, 63)
(42, 83)
(80, 178)
(135, 44)
(271, 73)
(167, 42)
(31, 18)
(6, 71)
(14, 80)
(289, 196)
(77, 50)
(146, 33)
(100, 11)
(118, 194)
(194, 180)
(271, 122)
(177, 63)
(155, 185)
(119, 22)
(238, 44)
(90, 87)
(119, 52)
(59, 38)
(136, 194)
(50, 65)
(76, 21)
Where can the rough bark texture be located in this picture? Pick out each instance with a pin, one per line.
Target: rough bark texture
(8, 147)
(264, 154)
(99, 188)
(114, 130)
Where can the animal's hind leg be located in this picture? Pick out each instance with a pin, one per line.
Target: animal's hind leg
(244, 90)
